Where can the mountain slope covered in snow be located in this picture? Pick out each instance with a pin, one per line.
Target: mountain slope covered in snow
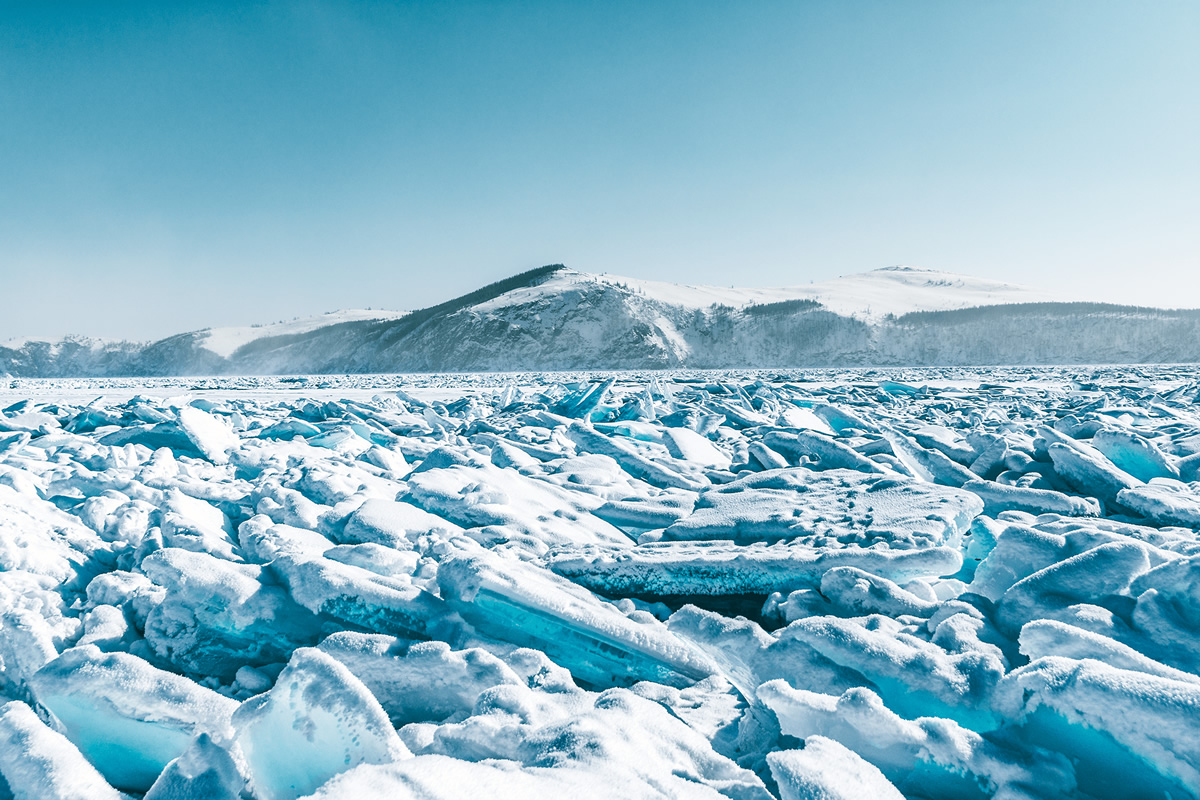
(554, 318)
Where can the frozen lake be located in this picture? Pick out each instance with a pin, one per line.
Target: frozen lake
(873, 583)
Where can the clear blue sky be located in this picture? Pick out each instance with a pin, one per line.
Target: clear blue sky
(169, 166)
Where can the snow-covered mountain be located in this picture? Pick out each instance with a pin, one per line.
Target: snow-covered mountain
(554, 318)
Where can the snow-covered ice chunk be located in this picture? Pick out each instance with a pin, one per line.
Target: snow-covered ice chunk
(1136, 455)
(217, 616)
(437, 777)
(648, 513)
(358, 596)
(913, 676)
(488, 495)
(616, 735)
(37, 537)
(316, 722)
(636, 464)
(931, 757)
(820, 452)
(27, 643)
(1133, 733)
(1091, 473)
(686, 444)
(129, 718)
(929, 465)
(1164, 502)
(1046, 637)
(393, 524)
(828, 770)
(1092, 578)
(39, 763)
(998, 497)
(196, 525)
(855, 592)
(211, 436)
(418, 681)
(205, 771)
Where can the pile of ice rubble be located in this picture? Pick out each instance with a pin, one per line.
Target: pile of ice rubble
(665, 589)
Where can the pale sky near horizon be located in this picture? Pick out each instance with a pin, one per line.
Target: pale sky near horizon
(171, 166)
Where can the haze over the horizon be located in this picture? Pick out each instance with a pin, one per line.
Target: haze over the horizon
(166, 167)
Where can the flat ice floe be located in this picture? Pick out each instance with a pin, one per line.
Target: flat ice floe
(913, 584)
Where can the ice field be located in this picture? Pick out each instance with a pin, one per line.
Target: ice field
(805, 584)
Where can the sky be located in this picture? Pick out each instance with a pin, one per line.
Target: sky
(166, 167)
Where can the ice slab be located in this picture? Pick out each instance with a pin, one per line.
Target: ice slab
(715, 568)
(127, 717)
(315, 723)
(520, 603)
(39, 763)
(834, 507)
(1145, 725)
(830, 771)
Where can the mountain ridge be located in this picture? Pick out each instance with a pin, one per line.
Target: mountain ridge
(553, 318)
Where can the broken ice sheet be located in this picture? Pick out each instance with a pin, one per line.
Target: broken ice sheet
(658, 585)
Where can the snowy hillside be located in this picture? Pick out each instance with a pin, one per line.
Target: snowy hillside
(870, 295)
(226, 341)
(554, 318)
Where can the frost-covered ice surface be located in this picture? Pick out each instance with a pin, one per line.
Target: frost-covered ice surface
(923, 584)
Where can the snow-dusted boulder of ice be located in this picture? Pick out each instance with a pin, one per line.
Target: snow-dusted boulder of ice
(1091, 472)
(629, 744)
(1042, 638)
(436, 777)
(217, 616)
(315, 723)
(681, 475)
(952, 674)
(205, 771)
(393, 524)
(27, 643)
(1164, 502)
(1134, 454)
(127, 717)
(931, 757)
(193, 524)
(926, 464)
(998, 497)
(749, 656)
(856, 592)
(1074, 590)
(364, 586)
(827, 770)
(37, 537)
(210, 435)
(1132, 734)
(39, 763)
(687, 445)
(820, 452)
(419, 681)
